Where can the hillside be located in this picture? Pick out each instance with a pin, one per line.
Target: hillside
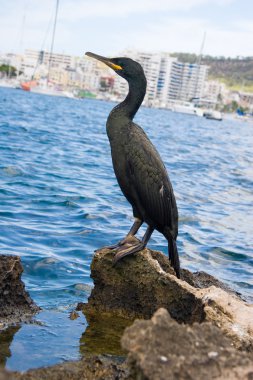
(236, 73)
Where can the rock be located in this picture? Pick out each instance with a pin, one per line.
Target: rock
(185, 339)
(73, 315)
(140, 284)
(95, 368)
(5, 375)
(15, 303)
(232, 315)
(162, 349)
(137, 286)
(158, 349)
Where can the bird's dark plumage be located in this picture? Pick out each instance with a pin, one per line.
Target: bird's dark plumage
(138, 166)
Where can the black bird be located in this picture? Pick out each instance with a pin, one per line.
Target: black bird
(138, 167)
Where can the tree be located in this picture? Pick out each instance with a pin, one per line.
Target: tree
(8, 70)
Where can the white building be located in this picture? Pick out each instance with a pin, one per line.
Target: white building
(167, 78)
(90, 73)
(151, 66)
(164, 79)
(43, 57)
(187, 81)
(36, 63)
(212, 90)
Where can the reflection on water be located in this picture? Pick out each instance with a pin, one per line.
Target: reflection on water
(102, 335)
(55, 337)
(6, 337)
(52, 339)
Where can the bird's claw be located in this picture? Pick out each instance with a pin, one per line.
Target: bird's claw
(129, 241)
(110, 247)
(126, 250)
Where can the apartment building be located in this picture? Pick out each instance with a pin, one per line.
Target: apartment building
(212, 90)
(151, 66)
(168, 79)
(164, 78)
(43, 58)
(187, 81)
(89, 72)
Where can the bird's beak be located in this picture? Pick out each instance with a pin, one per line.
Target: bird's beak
(104, 60)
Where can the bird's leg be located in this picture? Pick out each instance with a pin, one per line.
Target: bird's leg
(129, 237)
(122, 251)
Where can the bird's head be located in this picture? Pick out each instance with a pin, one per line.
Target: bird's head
(124, 67)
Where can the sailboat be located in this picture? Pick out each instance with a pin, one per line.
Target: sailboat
(46, 87)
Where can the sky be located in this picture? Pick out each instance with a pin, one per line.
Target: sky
(110, 26)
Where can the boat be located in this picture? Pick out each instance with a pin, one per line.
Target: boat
(46, 87)
(187, 108)
(213, 115)
(26, 86)
(51, 92)
(6, 83)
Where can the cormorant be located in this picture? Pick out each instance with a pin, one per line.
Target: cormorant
(138, 167)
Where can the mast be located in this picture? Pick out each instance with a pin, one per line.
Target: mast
(198, 63)
(52, 43)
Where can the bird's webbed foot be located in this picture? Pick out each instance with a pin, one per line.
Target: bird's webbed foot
(111, 247)
(133, 246)
(128, 241)
(127, 249)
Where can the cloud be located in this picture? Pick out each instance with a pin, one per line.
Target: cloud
(244, 26)
(80, 9)
(110, 26)
(186, 35)
(74, 10)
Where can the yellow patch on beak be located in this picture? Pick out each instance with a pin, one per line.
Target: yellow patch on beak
(114, 67)
(104, 60)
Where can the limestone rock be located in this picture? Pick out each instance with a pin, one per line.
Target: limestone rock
(5, 375)
(15, 303)
(187, 343)
(140, 284)
(94, 368)
(162, 349)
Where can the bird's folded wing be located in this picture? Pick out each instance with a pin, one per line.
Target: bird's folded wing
(151, 182)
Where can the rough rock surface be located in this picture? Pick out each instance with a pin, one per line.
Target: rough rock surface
(15, 303)
(158, 349)
(162, 349)
(95, 368)
(139, 285)
(185, 346)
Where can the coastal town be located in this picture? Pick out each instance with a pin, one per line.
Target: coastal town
(172, 84)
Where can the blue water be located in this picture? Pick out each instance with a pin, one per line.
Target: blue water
(59, 201)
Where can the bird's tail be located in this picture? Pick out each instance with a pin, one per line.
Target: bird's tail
(173, 255)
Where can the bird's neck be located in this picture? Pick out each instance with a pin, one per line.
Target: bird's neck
(132, 102)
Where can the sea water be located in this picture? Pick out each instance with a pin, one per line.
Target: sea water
(59, 201)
